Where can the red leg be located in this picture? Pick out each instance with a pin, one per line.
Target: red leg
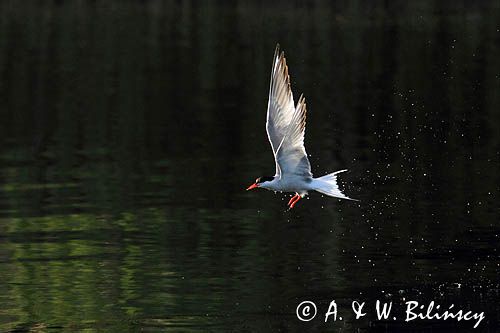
(295, 201)
(292, 199)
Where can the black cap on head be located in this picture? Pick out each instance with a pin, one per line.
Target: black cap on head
(263, 179)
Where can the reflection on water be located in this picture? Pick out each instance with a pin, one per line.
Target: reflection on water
(130, 130)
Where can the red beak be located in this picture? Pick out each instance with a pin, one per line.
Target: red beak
(251, 187)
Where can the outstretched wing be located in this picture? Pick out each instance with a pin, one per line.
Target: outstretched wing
(280, 107)
(286, 124)
(292, 157)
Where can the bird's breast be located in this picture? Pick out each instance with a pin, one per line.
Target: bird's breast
(293, 185)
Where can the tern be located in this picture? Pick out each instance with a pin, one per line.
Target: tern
(285, 127)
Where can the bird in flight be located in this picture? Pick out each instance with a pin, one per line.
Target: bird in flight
(285, 128)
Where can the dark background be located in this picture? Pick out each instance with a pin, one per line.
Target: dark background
(130, 129)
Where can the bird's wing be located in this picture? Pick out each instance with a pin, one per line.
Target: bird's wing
(286, 124)
(292, 157)
(280, 107)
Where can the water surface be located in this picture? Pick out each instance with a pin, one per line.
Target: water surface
(129, 131)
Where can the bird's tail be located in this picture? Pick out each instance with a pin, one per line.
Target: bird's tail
(328, 185)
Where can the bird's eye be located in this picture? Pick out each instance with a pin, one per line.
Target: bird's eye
(257, 181)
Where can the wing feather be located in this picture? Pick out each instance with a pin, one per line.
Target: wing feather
(286, 123)
(292, 155)
(280, 107)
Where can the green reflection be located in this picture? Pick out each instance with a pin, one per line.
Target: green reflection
(129, 131)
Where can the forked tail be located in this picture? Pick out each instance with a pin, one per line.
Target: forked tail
(328, 185)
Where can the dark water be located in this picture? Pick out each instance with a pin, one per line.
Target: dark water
(129, 130)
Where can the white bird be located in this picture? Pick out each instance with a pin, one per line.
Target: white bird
(285, 128)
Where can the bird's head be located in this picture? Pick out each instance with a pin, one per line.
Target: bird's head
(261, 182)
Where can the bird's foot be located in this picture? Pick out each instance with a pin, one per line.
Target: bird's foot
(293, 201)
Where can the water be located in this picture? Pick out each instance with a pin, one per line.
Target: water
(129, 132)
